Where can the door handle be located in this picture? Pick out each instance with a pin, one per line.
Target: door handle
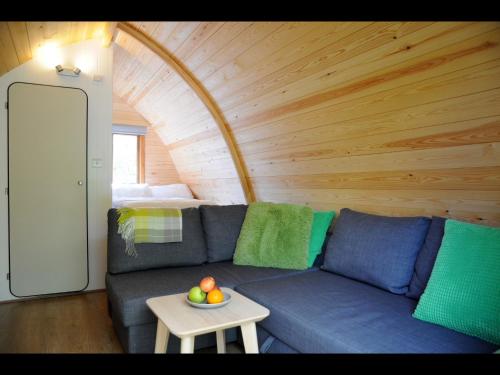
(80, 182)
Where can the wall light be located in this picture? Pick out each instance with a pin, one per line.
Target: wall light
(49, 54)
(70, 72)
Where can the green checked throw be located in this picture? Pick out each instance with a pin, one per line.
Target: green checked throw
(149, 225)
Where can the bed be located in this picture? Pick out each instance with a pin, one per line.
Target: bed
(143, 195)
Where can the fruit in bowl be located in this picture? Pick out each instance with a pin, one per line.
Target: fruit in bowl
(207, 284)
(197, 295)
(215, 296)
(207, 292)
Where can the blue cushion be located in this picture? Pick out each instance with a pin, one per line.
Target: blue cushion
(191, 251)
(379, 250)
(128, 292)
(426, 258)
(222, 226)
(320, 312)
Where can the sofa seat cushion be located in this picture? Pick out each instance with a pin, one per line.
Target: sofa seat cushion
(320, 312)
(270, 344)
(128, 292)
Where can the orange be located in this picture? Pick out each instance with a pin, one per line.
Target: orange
(215, 296)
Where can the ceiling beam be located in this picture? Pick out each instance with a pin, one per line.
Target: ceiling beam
(109, 33)
(204, 96)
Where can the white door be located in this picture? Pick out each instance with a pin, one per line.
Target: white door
(47, 140)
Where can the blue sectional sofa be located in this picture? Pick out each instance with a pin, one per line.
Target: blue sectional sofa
(312, 311)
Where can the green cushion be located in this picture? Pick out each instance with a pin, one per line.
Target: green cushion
(321, 222)
(463, 292)
(275, 235)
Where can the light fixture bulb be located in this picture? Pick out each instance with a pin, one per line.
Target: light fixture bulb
(49, 54)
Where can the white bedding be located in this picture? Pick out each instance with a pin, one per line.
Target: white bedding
(155, 202)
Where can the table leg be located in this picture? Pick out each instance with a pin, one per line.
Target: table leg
(187, 345)
(249, 333)
(162, 334)
(221, 342)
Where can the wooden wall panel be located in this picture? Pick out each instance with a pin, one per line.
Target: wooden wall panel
(126, 115)
(159, 167)
(398, 118)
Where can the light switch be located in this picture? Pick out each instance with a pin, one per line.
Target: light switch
(96, 163)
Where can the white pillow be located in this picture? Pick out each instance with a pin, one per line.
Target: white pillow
(131, 190)
(172, 191)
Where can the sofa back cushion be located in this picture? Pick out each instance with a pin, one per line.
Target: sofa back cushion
(222, 225)
(426, 258)
(191, 251)
(322, 220)
(275, 235)
(378, 250)
(463, 292)
(320, 259)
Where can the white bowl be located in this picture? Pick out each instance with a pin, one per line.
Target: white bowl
(205, 305)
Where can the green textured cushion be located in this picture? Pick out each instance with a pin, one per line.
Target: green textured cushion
(321, 222)
(275, 235)
(463, 292)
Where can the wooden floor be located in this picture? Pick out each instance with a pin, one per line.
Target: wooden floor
(69, 324)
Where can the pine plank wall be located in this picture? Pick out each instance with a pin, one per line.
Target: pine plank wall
(398, 118)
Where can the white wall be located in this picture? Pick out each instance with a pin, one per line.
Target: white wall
(92, 59)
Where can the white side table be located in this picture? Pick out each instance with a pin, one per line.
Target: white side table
(176, 316)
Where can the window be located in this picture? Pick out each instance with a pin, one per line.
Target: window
(128, 154)
(125, 159)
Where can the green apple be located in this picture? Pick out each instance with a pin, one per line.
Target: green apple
(197, 295)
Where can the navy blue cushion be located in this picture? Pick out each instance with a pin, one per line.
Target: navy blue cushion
(379, 250)
(191, 251)
(222, 226)
(426, 258)
(320, 312)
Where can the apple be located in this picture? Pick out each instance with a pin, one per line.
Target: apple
(197, 295)
(207, 284)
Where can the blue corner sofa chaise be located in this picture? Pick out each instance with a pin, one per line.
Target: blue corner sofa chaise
(312, 311)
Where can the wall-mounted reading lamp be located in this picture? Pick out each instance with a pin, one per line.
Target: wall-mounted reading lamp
(70, 72)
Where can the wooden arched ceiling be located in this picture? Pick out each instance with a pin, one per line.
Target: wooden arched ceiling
(202, 94)
(387, 117)
(395, 118)
(142, 78)
(20, 41)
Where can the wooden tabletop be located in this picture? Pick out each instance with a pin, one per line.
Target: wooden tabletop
(184, 320)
